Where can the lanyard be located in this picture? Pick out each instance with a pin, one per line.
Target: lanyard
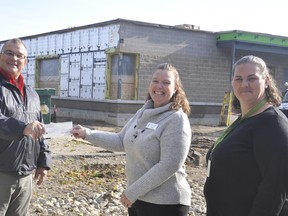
(233, 125)
(239, 120)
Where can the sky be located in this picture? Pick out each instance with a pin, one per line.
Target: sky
(30, 17)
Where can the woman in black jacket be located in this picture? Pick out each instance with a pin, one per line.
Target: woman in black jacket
(248, 164)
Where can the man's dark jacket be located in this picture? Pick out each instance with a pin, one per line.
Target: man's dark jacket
(20, 154)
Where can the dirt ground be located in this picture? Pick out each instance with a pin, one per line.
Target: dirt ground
(83, 169)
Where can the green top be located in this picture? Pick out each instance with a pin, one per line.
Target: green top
(251, 37)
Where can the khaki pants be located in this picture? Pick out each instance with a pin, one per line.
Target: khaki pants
(15, 194)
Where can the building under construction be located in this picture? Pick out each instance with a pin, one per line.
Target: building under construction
(102, 71)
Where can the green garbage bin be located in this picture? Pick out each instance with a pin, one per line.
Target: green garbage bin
(45, 102)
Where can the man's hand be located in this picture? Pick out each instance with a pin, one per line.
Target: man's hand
(35, 129)
(40, 174)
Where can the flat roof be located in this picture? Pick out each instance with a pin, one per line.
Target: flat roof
(244, 40)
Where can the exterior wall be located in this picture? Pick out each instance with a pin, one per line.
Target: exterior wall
(111, 111)
(204, 69)
(82, 59)
(118, 112)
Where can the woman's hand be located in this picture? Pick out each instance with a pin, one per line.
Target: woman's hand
(78, 131)
(125, 202)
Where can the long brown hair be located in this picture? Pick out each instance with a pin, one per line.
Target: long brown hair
(272, 93)
(179, 99)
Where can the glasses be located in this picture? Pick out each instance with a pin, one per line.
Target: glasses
(11, 54)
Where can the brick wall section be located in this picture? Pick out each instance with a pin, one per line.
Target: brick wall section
(204, 68)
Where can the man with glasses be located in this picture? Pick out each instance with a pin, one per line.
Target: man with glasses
(22, 147)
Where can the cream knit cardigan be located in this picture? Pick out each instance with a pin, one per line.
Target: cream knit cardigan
(155, 154)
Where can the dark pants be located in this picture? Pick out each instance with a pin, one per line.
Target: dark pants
(141, 208)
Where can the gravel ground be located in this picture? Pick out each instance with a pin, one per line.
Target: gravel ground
(87, 180)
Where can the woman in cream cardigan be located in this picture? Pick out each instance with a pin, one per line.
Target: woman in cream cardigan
(156, 141)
